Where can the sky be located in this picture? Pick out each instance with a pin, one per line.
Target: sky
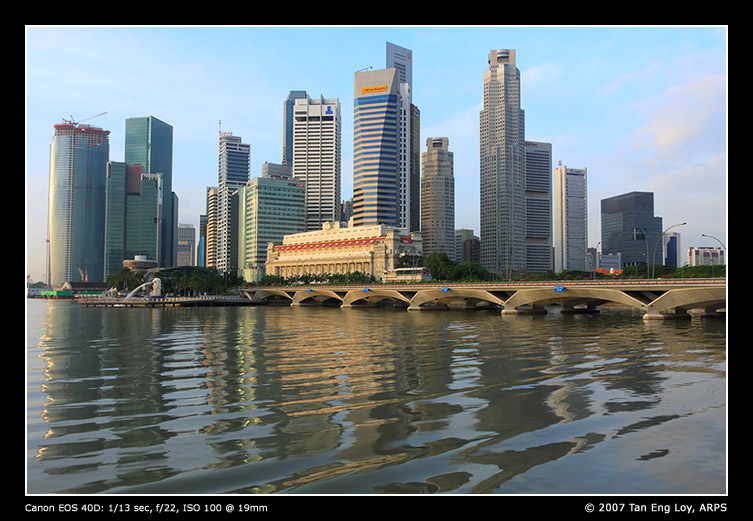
(642, 108)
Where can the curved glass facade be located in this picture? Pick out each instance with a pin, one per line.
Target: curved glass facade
(78, 174)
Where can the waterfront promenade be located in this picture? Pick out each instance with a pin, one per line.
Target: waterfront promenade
(164, 302)
(658, 299)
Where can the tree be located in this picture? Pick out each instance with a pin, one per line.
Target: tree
(439, 265)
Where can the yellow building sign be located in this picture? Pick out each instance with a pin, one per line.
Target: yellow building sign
(371, 90)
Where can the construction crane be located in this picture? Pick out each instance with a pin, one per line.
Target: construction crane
(72, 121)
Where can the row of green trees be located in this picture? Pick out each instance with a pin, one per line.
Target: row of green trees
(189, 281)
(324, 278)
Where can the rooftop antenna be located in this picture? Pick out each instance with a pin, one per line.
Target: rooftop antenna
(223, 133)
(365, 69)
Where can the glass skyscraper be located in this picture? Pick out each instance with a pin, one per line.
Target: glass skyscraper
(629, 227)
(78, 164)
(287, 125)
(133, 216)
(149, 143)
(376, 148)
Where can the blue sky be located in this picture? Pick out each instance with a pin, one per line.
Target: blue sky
(642, 108)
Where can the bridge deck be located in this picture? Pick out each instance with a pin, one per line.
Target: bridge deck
(657, 298)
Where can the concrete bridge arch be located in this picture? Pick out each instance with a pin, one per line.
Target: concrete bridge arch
(657, 299)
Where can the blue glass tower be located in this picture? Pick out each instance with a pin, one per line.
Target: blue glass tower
(376, 148)
(78, 165)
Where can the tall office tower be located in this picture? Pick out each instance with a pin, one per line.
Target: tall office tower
(401, 59)
(78, 169)
(438, 198)
(273, 207)
(287, 125)
(133, 216)
(377, 135)
(502, 168)
(149, 143)
(538, 206)
(316, 157)
(414, 224)
(571, 219)
(186, 245)
(234, 169)
(211, 237)
(628, 226)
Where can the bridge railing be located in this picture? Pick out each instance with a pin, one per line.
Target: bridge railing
(438, 284)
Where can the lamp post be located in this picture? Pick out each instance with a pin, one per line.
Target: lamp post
(717, 240)
(712, 258)
(653, 270)
(645, 239)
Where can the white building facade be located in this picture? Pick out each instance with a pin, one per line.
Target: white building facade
(570, 219)
(316, 157)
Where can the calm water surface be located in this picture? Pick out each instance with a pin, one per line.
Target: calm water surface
(369, 401)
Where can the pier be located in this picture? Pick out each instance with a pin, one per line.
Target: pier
(165, 302)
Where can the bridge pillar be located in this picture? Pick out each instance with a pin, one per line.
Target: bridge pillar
(533, 310)
(713, 312)
(666, 316)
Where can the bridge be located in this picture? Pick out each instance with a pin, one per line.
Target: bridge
(657, 299)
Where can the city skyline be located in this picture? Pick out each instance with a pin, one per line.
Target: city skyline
(642, 108)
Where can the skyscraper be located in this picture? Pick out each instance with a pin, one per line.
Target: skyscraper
(274, 206)
(629, 227)
(210, 245)
(386, 166)
(133, 216)
(438, 198)
(233, 172)
(401, 59)
(287, 125)
(376, 150)
(570, 219)
(78, 169)
(502, 167)
(149, 143)
(538, 206)
(316, 158)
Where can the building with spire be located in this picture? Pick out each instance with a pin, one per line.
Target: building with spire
(233, 172)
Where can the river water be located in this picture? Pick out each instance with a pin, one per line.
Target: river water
(316, 400)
